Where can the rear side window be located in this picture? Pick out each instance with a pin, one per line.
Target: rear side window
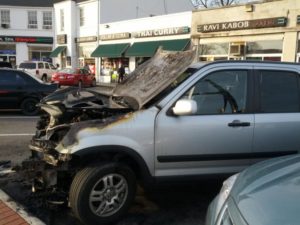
(11, 78)
(27, 66)
(279, 91)
(41, 65)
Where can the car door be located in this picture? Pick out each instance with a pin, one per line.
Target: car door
(86, 77)
(277, 117)
(218, 137)
(12, 89)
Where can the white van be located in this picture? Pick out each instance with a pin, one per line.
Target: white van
(40, 69)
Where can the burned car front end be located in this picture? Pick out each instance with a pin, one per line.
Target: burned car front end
(65, 109)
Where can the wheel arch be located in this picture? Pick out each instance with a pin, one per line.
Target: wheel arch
(115, 153)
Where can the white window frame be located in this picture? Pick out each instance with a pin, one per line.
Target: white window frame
(47, 20)
(81, 17)
(32, 19)
(5, 18)
(62, 20)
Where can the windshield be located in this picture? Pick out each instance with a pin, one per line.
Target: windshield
(27, 66)
(34, 77)
(180, 79)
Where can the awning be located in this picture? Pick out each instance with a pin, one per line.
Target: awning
(57, 51)
(110, 51)
(147, 49)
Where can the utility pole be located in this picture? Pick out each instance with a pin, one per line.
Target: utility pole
(137, 9)
(165, 7)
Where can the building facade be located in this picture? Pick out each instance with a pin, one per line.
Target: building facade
(261, 31)
(76, 31)
(26, 30)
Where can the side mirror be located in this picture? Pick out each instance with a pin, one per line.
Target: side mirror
(185, 107)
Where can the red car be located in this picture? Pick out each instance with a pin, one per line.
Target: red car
(73, 77)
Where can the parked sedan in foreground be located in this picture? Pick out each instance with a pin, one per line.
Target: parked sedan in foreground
(72, 77)
(19, 90)
(267, 193)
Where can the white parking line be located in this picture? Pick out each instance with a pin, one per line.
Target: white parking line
(11, 135)
(19, 117)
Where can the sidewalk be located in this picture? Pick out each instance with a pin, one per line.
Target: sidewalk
(12, 213)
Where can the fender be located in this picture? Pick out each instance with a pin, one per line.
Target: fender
(90, 153)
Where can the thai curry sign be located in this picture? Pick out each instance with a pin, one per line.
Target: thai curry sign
(243, 25)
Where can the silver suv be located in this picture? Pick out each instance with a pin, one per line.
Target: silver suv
(167, 120)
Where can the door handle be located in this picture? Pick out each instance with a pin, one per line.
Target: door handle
(237, 123)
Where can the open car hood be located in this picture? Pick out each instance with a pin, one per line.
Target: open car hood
(147, 81)
(153, 76)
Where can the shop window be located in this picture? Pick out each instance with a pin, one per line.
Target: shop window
(264, 47)
(40, 53)
(32, 20)
(5, 18)
(62, 20)
(279, 91)
(214, 49)
(81, 15)
(47, 20)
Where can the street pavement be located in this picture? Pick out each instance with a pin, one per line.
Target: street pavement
(180, 204)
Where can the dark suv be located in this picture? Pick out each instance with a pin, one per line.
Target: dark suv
(19, 90)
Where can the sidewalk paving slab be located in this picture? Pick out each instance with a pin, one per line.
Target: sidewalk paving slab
(12, 213)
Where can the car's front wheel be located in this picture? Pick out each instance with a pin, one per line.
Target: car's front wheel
(29, 106)
(101, 194)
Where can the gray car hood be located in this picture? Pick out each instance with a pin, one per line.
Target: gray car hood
(268, 193)
(150, 78)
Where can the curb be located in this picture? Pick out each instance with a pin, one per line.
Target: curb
(18, 209)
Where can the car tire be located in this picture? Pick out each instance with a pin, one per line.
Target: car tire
(28, 106)
(44, 78)
(113, 186)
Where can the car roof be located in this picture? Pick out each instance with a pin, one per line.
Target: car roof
(198, 65)
(34, 62)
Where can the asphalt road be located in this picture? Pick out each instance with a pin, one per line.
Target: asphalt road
(180, 204)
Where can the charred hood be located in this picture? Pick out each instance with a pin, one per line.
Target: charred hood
(147, 81)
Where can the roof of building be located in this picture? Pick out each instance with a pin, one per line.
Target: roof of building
(32, 3)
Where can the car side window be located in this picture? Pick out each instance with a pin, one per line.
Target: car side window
(41, 65)
(52, 67)
(47, 66)
(279, 91)
(11, 78)
(221, 92)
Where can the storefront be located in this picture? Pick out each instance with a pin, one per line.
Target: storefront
(127, 43)
(16, 49)
(60, 52)
(8, 53)
(132, 49)
(258, 32)
(85, 46)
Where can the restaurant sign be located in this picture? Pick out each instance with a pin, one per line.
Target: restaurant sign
(40, 40)
(243, 25)
(116, 36)
(61, 39)
(162, 32)
(85, 39)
